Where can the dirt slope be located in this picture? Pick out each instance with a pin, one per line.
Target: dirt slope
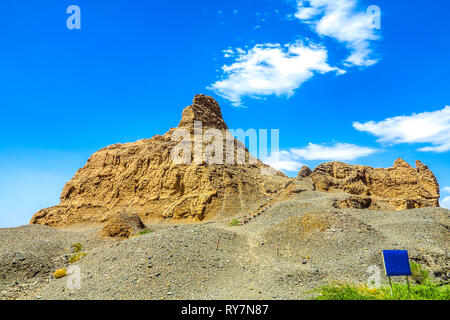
(317, 243)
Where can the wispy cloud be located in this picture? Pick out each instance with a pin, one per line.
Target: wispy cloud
(338, 152)
(445, 203)
(269, 69)
(279, 69)
(428, 127)
(283, 161)
(446, 189)
(340, 20)
(292, 160)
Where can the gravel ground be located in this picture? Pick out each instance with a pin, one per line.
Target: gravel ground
(316, 243)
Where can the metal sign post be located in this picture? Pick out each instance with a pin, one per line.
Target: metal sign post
(396, 263)
(390, 284)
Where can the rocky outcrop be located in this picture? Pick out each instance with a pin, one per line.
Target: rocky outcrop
(122, 225)
(304, 172)
(401, 186)
(142, 178)
(354, 203)
(205, 110)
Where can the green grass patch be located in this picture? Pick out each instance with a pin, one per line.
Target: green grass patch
(422, 288)
(77, 247)
(145, 231)
(419, 274)
(234, 223)
(77, 256)
(428, 291)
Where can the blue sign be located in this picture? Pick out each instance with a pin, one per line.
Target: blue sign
(396, 263)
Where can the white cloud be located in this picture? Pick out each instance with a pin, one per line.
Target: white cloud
(269, 69)
(428, 127)
(337, 152)
(276, 69)
(284, 161)
(445, 203)
(446, 189)
(340, 20)
(291, 160)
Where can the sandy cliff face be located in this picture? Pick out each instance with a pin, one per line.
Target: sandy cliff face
(401, 186)
(141, 178)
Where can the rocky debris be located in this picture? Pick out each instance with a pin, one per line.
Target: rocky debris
(19, 288)
(304, 172)
(437, 264)
(295, 246)
(401, 186)
(29, 255)
(355, 203)
(122, 225)
(25, 265)
(24, 256)
(142, 178)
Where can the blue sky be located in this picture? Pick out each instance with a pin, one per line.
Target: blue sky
(336, 89)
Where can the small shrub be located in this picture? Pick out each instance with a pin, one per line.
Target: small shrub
(234, 223)
(419, 274)
(145, 231)
(77, 256)
(77, 247)
(60, 273)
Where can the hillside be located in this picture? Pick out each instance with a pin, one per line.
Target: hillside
(140, 225)
(317, 242)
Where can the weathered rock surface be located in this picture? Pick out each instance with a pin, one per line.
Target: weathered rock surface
(401, 186)
(355, 203)
(304, 172)
(142, 178)
(122, 225)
